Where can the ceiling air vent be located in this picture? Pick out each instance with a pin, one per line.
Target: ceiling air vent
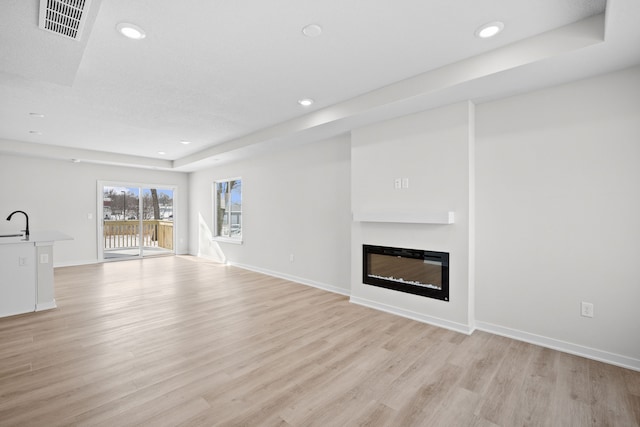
(63, 17)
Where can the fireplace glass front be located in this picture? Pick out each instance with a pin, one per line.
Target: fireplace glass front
(414, 271)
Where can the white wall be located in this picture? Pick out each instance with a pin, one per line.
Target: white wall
(558, 216)
(432, 150)
(58, 195)
(557, 197)
(294, 202)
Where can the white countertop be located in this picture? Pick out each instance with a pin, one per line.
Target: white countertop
(35, 237)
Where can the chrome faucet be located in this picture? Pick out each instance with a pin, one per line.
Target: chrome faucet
(26, 216)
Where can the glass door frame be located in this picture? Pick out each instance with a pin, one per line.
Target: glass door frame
(141, 187)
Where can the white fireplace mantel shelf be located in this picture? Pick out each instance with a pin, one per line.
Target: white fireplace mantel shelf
(405, 217)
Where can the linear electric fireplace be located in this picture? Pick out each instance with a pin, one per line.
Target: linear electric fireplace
(413, 271)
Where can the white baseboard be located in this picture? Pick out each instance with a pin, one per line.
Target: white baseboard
(436, 321)
(46, 305)
(75, 263)
(303, 281)
(566, 347)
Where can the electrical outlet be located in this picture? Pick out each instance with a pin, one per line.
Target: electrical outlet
(291, 258)
(405, 182)
(586, 309)
(397, 183)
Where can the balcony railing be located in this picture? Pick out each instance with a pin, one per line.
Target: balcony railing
(127, 234)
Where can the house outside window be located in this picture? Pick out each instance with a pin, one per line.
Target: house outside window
(228, 209)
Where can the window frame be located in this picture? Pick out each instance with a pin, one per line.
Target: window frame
(216, 232)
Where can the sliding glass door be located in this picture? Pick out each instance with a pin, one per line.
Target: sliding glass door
(137, 220)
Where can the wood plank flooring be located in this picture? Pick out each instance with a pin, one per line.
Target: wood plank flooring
(178, 341)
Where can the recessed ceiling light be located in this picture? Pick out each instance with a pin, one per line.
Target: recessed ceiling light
(131, 31)
(312, 30)
(305, 102)
(75, 160)
(38, 115)
(489, 30)
(185, 142)
(162, 153)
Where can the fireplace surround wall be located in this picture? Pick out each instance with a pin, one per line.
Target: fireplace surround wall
(433, 150)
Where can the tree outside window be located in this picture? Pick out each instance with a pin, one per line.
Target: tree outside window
(228, 208)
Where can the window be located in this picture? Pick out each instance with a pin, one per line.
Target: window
(227, 217)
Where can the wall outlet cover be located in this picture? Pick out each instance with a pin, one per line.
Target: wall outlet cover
(586, 309)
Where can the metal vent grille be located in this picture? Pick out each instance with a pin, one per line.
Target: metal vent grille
(63, 17)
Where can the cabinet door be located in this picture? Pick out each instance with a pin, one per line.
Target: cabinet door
(17, 279)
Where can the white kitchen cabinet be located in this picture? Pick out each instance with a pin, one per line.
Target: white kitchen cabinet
(26, 273)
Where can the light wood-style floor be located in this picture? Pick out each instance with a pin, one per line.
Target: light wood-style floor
(181, 341)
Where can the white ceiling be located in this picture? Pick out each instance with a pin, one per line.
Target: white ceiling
(227, 75)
